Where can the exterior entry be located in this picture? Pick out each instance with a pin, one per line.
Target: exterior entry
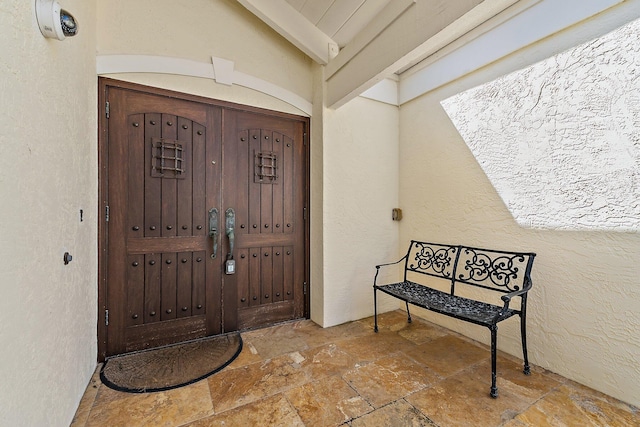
(204, 229)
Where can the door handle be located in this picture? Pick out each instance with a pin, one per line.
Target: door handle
(213, 230)
(230, 225)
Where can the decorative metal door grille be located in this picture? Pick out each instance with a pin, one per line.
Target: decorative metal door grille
(266, 168)
(167, 159)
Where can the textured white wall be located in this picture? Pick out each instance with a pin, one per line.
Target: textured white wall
(360, 154)
(316, 286)
(583, 313)
(48, 172)
(197, 30)
(559, 140)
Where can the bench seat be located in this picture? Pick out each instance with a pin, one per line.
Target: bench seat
(478, 312)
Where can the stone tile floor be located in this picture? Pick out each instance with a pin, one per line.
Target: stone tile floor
(418, 374)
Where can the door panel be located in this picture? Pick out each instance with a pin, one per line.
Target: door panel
(268, 195)
(169, 161)
(160, 286)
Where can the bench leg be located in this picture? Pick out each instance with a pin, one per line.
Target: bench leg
(408, 314)
(375, 310)
(494, 336)
(523, 336)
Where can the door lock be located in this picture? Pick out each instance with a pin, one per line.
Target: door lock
(230, 266)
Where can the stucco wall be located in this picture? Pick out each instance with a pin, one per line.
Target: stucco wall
(360, 147)
(48, 172)
(582, 318)
(317, 227)
(568, 128)
(197, 30)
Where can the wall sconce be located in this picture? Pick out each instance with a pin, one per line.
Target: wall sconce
(55, 22)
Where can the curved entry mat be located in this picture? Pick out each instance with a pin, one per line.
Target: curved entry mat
(172, 366)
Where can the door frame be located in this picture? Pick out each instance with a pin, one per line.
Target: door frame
(104, 84)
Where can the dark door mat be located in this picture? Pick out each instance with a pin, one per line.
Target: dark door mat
(172, 366)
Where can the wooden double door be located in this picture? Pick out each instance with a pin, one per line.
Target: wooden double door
(205, 227)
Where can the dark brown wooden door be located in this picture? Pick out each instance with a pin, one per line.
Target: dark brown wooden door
(264, 159)
(169, 162)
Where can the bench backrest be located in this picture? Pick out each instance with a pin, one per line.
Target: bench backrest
(500, 271)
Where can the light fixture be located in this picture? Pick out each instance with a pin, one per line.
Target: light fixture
(55, 22)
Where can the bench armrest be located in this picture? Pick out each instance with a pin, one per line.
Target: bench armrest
(375, 279)
(527, 285)
(507, 297)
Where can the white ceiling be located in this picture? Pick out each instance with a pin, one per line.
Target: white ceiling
(341, 20)
(419, 44)
(361, 42)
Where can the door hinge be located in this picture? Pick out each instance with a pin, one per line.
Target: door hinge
(304, 288)
(304, 138)
(106, 318)
(106, 213)
(107, 109)
(304, 213)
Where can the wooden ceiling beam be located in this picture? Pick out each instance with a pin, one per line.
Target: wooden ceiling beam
(294, 27)
(417, 32)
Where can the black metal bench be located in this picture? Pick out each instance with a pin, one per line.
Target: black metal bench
(506, 272)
